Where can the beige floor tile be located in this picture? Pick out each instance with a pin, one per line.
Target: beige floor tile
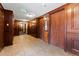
(26, 45)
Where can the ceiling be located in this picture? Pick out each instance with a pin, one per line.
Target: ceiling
(37, 9)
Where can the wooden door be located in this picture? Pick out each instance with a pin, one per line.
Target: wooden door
(73, 28)
(58, 28)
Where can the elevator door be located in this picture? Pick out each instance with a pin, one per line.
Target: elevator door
(58, 28)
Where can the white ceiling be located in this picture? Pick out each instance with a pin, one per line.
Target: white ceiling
(20, 9)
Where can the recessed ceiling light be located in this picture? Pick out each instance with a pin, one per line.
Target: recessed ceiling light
(44, 4)
(30, 15)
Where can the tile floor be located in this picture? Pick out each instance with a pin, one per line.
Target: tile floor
(26, 45)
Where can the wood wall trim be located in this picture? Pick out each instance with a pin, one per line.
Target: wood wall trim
(59, 8)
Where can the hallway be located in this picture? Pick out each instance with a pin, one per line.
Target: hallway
(26, 45)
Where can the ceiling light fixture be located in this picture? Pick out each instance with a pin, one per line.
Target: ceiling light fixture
(30, 15)
(44, 4)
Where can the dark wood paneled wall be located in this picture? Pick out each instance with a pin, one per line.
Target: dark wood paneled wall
(63, 27)
(41, 27)
(1, 26)
(72, 42)
(8, 27)
(37, 29)
(43, 34)
(32, 28)
(16, 28)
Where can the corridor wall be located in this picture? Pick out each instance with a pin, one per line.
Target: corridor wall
(72, 38)
(63, 27)
(32, 28)
(1, 26)
(36, 28)
(43, 33)
(16, 28)
(8, 27)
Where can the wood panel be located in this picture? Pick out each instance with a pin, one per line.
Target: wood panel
(58, 28)
(63, 27)
(37, 30)
(8, 29)
(46, 36)
(42, 31)
(16, 28)
(32, 28)
(1, 27)
(73, 28)
(41, 27)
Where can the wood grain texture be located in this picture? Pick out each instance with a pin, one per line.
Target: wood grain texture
(63, 27)
(58, 28)
(73, 28)
(32, 28)
(16, 28)
(8, 29)
(1, 27)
